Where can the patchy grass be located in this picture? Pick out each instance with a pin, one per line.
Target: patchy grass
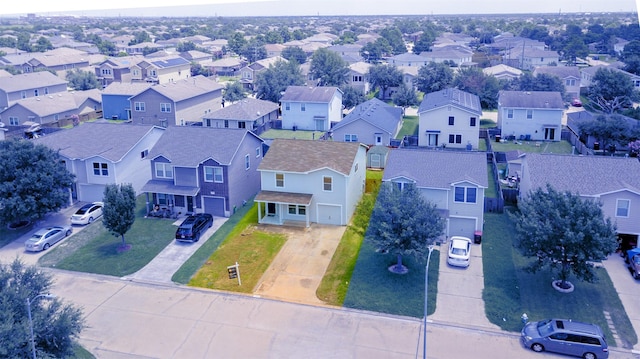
(409, 127)
(290, 134)
(254, 250)
(491, 191)
(558, 147)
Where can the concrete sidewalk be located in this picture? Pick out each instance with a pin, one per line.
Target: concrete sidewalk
(628, 290)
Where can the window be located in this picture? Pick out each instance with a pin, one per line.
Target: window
(36, 92)
(100, 169)
(165, 107)
(455, 138)
(622, 208)
(303, 107)
(287, 106)
(451, 120)
(472, 122)
(163, 122)
(529, 114)
(258, 151)
(213, 174)
(509, 113)
(465, 194)
(350, 138)
(138, 106)
(242, 124)
(356, 168)
(247, 162)
(327, 183)
(226, 123)
(297, 209)
(23, 94)
(144, 154)
(14, 121)
(46, 90)
(164, 170)
(279, 179)
(570, 82)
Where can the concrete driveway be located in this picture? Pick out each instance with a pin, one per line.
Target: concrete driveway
(628, 290)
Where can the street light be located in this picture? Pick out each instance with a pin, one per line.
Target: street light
(29, 301)
(426, 288)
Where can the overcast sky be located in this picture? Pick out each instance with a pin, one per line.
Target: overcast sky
(308, 7)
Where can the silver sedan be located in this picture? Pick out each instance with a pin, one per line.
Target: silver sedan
(46, 237)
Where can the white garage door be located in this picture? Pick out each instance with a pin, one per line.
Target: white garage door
(90, 193)
(462, 227)
(214, 206)
(329, 214)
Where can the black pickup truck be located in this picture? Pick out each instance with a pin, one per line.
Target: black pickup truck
(633, 261)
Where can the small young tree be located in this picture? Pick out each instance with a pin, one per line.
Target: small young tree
(563, 232)
(404, 223)
(55, 325)
(119, 210)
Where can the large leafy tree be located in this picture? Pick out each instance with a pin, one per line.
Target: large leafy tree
(434, 77)
(394, 36)
(351, 97)
(56, 325)
(33, 182)
(611, 90)
(540, 82)
(119, 212)
(271, 83)
(609, 130)
(236, 42)
(295, 53)
(405, 97)
(564, 233)
(631, 57)
(373, 52)
(233, 92)
(82, 80)
(404, 223)
(328, 68)
(383, 77)
(474, 81)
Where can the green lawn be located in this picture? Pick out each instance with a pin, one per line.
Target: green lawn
(290, 134)
(409, 127)
(559, 147)
(9, 235)
(510, 290)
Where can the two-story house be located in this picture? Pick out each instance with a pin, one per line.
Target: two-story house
(408, 59)
(35, 84)
(248, 73)
(612, 181)
(250, 113)
(358, 76)
(588, 73)
(569, 75)
(454, 181)
(116, 69)
(98, 154)
(530, 58)
(311, 108)
(449, 118)
(311, 181)
(530, 115)
(161, 70)
(204, 170)
(372, 122)
(60, 60)
(115, 99)
(176, 103)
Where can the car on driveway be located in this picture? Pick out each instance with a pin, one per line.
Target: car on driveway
(192, 227)
(633, 262)
(459, 251)
(566, 337)
(44, 238)
(87, 213)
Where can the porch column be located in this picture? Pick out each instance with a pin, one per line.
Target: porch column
(260, 212)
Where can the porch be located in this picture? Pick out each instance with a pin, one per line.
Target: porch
(278, 208)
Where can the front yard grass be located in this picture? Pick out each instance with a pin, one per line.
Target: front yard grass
(510, 290)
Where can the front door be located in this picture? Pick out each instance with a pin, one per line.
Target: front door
(271, 209)
(189, 204)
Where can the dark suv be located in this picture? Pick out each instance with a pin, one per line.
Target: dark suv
(192, 227)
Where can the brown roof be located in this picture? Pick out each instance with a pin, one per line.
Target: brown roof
(307, 155)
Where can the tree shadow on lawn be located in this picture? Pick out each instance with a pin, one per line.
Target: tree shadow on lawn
(373, 287)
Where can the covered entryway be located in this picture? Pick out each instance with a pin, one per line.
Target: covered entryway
(279, 207)
(462, 227)
(214, 206)
(330, 214)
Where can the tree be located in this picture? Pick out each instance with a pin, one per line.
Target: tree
(610, 90)
(574, 48)
(140, 37)
(328, 68)
(351, 97)
(271, 83)
(233, 92)
(33, 182)
(474, 81)
(540, 82)
(295, 53)
(55, 324)
(563, 232)
(384, 77)
(434, 77)
(404, 223)
(394, 38)
(236, 42)
(82, 80)
(373, 52)
(609, 130)
(253, 51)
(405, 97)
(43, 44)
(424, 42)
(119, 210)
(185, 46)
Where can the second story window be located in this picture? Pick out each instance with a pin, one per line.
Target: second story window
(510, 113)
(465, 194)
(303, 107)
(247, 162)
(23, 94)
(451, 120)
(213, 174)
(472, 122)
(622, 208)
(165, 107)
(139, 106)
(100, 169)
(529, 114)
(36, 92)
(350, 138)
(280, 180)
(327, 183)
(164, 170)
(287, 106)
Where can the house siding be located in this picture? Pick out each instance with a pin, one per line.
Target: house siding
(438, 120)
(246, 183)
(627, 225)
(534, 127)
(366, 133)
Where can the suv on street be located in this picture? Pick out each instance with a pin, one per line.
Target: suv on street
(192, 227)
(565, 337)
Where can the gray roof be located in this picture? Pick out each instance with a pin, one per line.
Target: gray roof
(188, 146)
(531, 99)
(57, 103)
(125, 88)
(586, 175)
(30, 80)
(110, 141)
(450, 96)
(375, 112)
(559, 71)
(309, 156)
(187, 88)
(437, 169)
(245, 109)
(322, 94)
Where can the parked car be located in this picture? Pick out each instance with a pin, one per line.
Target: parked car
(566, 337)
(87, 213)
(44, 238)
(459, 251)
(632, 258)
(576, 102)
(192, 227)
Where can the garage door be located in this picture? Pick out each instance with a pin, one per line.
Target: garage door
(90, 193)
(462, 227)
(329, 214)
(214, 206)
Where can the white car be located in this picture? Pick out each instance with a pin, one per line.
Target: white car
(87, 213)
(459, 251)
(44, 238)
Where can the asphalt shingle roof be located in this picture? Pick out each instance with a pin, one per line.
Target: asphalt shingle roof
(322, 94)
(437, 169)
(246, 109)
(586, 175)
(306, 155)
(375, 112)
(450, 96)
(110, 141)
(187, 88)
(30, 80)
(531, 99)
